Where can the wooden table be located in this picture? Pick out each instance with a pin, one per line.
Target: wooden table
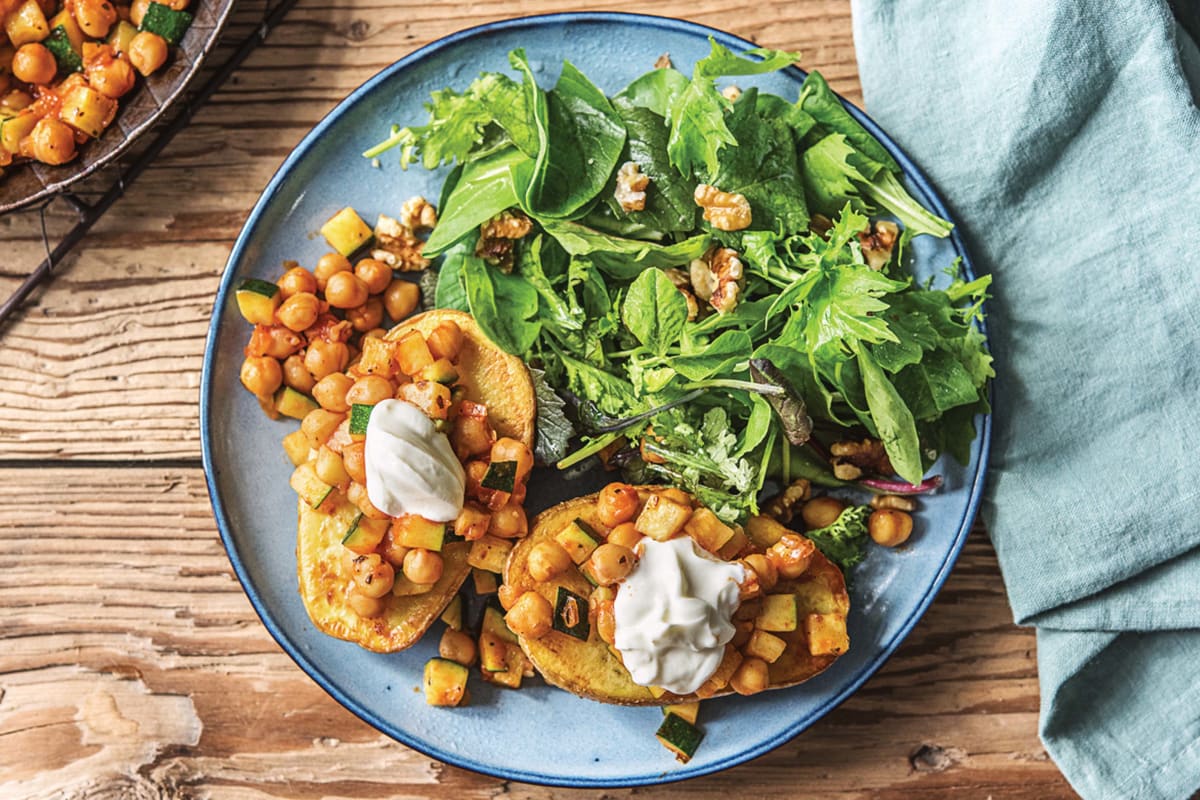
(132, 665)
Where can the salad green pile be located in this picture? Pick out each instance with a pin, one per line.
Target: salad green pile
(819, 346)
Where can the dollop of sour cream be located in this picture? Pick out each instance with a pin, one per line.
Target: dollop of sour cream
(674, 614)
(411, 467)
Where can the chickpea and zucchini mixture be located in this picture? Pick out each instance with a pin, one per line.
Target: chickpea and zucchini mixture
(65, 65)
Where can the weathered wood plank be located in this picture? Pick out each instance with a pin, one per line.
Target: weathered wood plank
(132, 665)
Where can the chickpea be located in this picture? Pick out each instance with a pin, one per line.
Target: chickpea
(457, 646)
(618, 502)
(471, 436)
(147, 52)
(345, 290)
(445, 341)
(33, 63)
(373, 576)
(364, 605)
(752, 676)
(821, 512)
(95, 17)
(626, 534)
(610, 563)
(423, 566)
(401, 298)
(112, 77)
(357, 495)
(606, 625)
(15, 101)
(275, 341)
(52, 142)
(319, 424)
(791, 555)
(763, 567)
(296, 375)
(507, 449)
(507, 596)
(370, 390)
(299, 311)
(889, 527)
(261, 375)
(530, 616)
(324, 358)
(330, 391)
(329, 265)
(392, 550)
(376, 275)
(354, 461)
(509, 522)
(137, 10)
(330, 469)
(367, 316)
(548, 559)
(295, 281)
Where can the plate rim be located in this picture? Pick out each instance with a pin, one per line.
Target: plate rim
(974, 484)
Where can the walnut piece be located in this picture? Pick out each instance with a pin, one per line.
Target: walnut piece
(718, 278)
(851, 459)
(731, 93)
(418, 214)
(683, 284)
(783, 506)
(663, 61)
(727, 211)
(496, 237)
(897, 501)
(877, 242)
(397, 246)
(631, 187)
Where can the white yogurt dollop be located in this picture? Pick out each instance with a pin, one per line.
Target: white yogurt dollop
(674, 614)
(411, 468)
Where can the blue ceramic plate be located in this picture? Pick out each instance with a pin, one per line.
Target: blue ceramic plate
(538, 734)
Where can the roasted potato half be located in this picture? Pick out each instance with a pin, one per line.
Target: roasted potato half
(593, 670)
(492, 377)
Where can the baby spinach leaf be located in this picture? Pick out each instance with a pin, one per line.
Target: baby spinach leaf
(654, 311)
(451, 291)
(669, 205)
(555, 311)
(757, 425)
(583, 140)
(485, 188)
(772, 106)
(893, 419)
(654, 90)
(512, 107)
(715, 357)
(818, 101)
(612, 394)
(763, 167)
(505, 306)
(623, 258)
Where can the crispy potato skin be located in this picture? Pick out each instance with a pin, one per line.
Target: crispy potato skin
(591, 670)
(492, 377)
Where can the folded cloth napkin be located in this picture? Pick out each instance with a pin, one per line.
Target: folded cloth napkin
(1065, 136)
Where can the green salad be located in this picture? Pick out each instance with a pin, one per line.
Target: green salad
(711, 285)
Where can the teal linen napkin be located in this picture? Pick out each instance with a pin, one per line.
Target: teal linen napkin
(1065, 137)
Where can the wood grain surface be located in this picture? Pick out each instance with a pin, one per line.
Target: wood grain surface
(131, 663)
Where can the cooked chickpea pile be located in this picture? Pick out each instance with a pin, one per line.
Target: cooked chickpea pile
(767, 621)
(64, 66)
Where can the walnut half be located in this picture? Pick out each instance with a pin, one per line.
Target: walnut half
(719, 278)
(496, 237)
(851, 459)
(727, 211)
(397, 246)
(418, 214)
(877, 242)
(631, 187)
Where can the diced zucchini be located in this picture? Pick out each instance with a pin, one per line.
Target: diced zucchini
(166, 22)
(579, 540)
(26, 24)
(500, 475)
(364, 534)
(708, 530)
(778, 613)
(312, 490)
(493, 623)
(441, 371)
(345, 231)
(492, 652)
(826, 634)
(489, 552)
(514, 664)
(120, 37)
(60, 46)
(411, 530)
(453, 614)
(688, 711)
(65, 20)
(766, 646)
(291, 403)
(679, 736)
(87, 111)
(445, 682)
(360, 415)
(661, 518)
(295, 444)
(405, 586)
(735, 546)
(485, 582)
(571, 614)
(764, 531)
(257, 300)
(412, 353)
